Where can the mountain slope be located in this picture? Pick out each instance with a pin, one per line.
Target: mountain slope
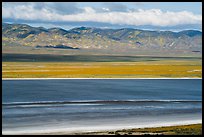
(96, 38)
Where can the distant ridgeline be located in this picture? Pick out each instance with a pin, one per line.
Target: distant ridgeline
(97, 38)
(56, 46)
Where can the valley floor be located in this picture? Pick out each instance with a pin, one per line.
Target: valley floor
(141, 69)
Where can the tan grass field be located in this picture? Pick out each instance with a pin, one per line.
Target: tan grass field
(144, 69)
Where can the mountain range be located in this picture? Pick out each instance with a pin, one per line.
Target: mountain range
(97, 38)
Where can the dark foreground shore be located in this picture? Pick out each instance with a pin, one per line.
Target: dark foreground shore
(193, 129)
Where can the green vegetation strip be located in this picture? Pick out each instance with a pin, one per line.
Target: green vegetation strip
(193, 129)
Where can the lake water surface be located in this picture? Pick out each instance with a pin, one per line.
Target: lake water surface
(55, 105)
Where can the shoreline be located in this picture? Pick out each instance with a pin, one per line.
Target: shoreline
(112, 129)
(92, 78)
(161, 130)
(102, 130)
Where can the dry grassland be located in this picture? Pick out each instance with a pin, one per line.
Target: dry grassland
(145, 69)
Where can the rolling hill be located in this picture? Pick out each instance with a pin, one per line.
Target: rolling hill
(188, 41)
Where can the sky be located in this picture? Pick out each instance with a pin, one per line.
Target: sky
(174, 16)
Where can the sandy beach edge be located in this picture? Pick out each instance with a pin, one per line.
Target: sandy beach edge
(124, 131)
(102, 130)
